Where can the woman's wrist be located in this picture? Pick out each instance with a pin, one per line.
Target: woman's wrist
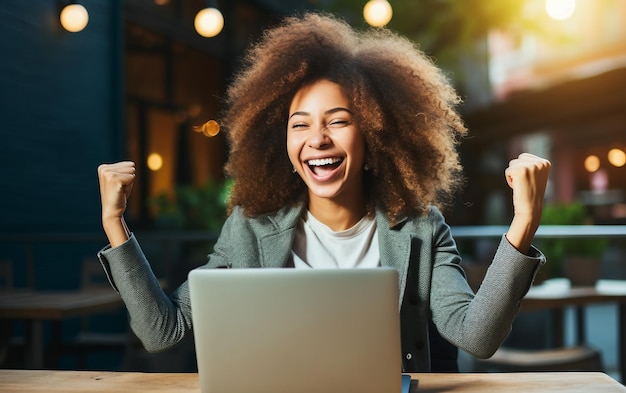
(522, 231)
(116, 230)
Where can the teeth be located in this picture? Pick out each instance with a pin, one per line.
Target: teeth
(324, 161)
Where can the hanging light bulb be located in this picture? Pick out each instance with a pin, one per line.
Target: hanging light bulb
(377, 13)
(209, 22)
(617, 157)
(74, 17)
(155, 162)
(560, 9)
(592, 163)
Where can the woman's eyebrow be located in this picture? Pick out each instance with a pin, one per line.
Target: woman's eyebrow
(299, 113)
(339, 109)
(328, 112)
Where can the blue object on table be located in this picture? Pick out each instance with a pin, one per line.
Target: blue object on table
(406, 383)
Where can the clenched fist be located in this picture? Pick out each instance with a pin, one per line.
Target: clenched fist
(527, 175)
(116, 183)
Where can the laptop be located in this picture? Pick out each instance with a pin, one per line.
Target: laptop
(296, 330)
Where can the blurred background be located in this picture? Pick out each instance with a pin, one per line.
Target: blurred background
(143, 80)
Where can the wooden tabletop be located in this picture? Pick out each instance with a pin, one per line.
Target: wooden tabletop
(56, 305)
(22, 381)
(570, 382)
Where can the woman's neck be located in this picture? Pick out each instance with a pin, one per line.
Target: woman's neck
(337, 216)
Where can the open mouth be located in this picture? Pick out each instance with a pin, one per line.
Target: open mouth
(323, 166)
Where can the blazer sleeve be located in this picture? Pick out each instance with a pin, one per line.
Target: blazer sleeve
(159, 320)
(478, 323)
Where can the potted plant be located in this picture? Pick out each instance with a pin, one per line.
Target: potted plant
(193, 207)
(577, 258)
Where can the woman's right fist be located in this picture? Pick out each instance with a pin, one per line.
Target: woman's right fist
(116, 182)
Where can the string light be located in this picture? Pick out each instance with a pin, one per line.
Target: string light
(209, 22)
(592, 163)
(560, 9)
(617, 157)
(155, 162)
(74, 17)
(377, 13)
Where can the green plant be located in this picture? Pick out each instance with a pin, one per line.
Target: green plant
(557, 250)
(193, 207)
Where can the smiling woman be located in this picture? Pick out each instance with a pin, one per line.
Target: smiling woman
(343, 145)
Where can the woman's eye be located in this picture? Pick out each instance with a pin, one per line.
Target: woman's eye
(298, 125)
(338, 123)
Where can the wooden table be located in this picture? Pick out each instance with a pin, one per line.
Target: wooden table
(557, 294)
(33, 381)
(35, 307)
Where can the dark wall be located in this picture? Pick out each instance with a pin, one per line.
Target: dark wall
(60, 114)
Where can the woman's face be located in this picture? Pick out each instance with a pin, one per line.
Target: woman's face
(324, 144)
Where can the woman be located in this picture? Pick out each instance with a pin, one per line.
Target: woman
(343, 146)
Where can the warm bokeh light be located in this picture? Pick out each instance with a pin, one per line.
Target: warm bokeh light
(209, 22)
(377, 13)
(592, 163)
(74, 18)
(560, 9)
(210, 128)
(155, 161)
(617, 157)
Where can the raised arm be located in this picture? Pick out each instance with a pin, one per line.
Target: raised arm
(157, 319)
(527, 176)
(480, 323)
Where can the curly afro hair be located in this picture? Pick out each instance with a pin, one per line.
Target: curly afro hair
(402, 103)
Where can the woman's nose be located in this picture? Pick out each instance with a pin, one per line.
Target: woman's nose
(318, 137)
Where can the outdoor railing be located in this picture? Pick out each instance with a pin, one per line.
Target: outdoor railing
(544, 231)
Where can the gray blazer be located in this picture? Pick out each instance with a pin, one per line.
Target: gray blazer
(432, 283)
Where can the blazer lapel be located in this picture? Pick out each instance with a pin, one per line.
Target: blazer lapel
(395, 248)
(275, 246)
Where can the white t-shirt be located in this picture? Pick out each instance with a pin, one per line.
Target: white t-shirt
(318, 246)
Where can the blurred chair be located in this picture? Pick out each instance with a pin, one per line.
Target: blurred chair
(90, 339)
(92, 276)
(509, 359)
(10, 343)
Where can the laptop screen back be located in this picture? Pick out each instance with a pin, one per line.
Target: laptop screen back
(296, 330)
